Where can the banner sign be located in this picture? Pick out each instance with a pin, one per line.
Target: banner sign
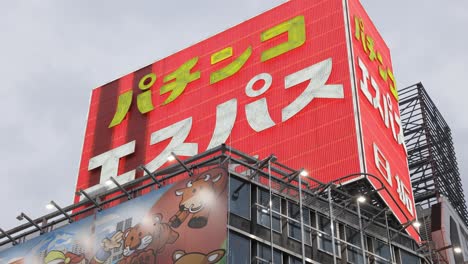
(184, 222)
(294, 81)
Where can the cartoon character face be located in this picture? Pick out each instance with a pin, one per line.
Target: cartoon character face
(197, 193)
(136, 239)
(198, 198)
(180, 257)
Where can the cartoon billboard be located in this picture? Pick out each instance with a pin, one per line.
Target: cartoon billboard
(179, 223)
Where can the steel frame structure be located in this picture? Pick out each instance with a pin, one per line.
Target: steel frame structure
(431, 156)
(336, 201)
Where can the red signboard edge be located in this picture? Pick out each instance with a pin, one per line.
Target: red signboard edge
(360, 139)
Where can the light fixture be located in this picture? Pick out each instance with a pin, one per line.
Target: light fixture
(456, 249)
(361, 199)
(20, 217)
(170, 158)
(265, 211)
(23, 216)
(49, 206)
(304, 173)
(417, 224)
(108, 182)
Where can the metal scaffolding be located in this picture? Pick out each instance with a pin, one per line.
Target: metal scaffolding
(431, 155)
(350, 220)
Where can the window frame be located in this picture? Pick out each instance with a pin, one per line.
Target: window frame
(249, 197)
(349, 245)
(274, 212)
(308, 238)
(320, 236)
(257, 257)
(230, 232)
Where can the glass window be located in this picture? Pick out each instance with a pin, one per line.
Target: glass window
(264, 255)
(408, 257)
(294, 260)
(239, 197)
(239, 249)
(382, 249)
(307, 230)
(353, 237)
(294, 227)
(263, 214)
(325, 241)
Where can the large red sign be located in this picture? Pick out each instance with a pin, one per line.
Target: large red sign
(278, 83)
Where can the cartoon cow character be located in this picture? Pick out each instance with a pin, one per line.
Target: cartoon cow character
(197, 198)
(180, 257)
(157, 235)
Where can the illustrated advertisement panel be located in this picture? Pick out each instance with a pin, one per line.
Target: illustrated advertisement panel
(278, 83)
(383, 144)
(185, 222)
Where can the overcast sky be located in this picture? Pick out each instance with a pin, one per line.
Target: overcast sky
(53, 53)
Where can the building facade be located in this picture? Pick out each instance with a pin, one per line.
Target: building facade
(269, 219)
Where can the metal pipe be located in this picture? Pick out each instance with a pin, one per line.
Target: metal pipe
(302, 218)
(129, 196)
(392, 258)
(150, 175)
(361, 231)
(270, 206)
(182, 164)
(332, 223)
(9, 237)
(23, 215)
(70, 220)
(90, 199)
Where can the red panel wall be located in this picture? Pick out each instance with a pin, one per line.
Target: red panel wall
(321, 137)
(379, 115)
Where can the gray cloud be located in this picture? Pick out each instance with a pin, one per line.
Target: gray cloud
(52, 53)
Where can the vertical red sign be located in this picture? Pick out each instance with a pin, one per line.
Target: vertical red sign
(383, 146)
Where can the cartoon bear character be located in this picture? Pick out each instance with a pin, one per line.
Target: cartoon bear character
(180, 257)
(197, 198)
(136, 238)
